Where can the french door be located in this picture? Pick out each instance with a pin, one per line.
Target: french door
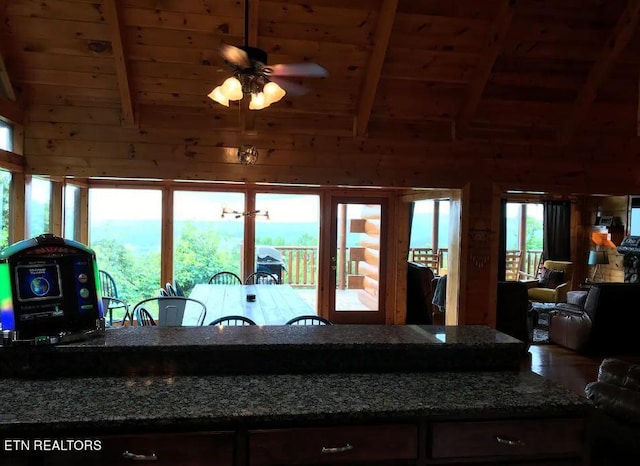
(357, 260)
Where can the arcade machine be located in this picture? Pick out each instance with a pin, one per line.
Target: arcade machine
(49, 292)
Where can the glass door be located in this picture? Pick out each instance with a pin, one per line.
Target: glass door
(357, 260)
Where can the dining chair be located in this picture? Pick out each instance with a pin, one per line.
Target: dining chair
(225, 278)
(144, 318)
(172, 311)
(308, 320)
(110, 290)
(170, 289)
(233, 321)
(261, 278)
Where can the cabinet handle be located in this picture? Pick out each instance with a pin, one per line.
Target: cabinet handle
(347, 447)
(514, 442)
(134, 457)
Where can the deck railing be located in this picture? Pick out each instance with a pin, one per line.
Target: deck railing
(301, 264)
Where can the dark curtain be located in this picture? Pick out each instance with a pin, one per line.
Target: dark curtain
(502, 242)
(557, 231)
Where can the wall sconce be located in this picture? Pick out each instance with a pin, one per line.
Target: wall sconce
(247, 154)
(238, 214)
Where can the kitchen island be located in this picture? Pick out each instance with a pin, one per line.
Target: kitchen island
(327, 411)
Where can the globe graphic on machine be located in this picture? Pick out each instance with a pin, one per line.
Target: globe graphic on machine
(40, 286)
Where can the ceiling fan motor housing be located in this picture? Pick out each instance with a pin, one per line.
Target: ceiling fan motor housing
(255, 54)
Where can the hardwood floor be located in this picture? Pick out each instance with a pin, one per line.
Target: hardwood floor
(563, 366)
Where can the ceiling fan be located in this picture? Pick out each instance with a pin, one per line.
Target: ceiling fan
(252, 76)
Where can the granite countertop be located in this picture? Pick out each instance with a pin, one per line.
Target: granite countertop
(93, 406)
(269, 349)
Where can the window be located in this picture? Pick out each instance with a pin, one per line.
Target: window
(204, 240)
(5, 185)
(125, 233)
(6, 136)
(39, 206)
(72, 212)
(525, 233)
(429, 240)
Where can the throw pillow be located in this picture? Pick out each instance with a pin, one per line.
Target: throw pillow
(550, 278)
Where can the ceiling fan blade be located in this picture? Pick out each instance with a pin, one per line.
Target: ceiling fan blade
(298, 69)
(292, 88)
(235, 56)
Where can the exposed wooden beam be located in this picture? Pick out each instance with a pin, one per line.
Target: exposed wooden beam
(386, 17)
(495, 40)
(615, 44)
(115, 31)
(11, 111)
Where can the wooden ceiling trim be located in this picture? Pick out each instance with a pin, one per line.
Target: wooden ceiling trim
(11, 111)
(113, 20)
(617, 41)
(496, 37)
(386, 16)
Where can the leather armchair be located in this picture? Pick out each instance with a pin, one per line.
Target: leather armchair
(614, 429)
(552, 295)
(607, 325)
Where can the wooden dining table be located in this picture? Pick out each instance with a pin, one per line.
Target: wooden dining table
(273, 305)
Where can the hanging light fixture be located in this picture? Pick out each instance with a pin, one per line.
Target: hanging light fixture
(247, 154)
(263, 92)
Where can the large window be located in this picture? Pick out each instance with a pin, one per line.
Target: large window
(5, 185)
(6, 136)
(39, 206)
(125, 232)
(205, 240)
(429, 242)
(524, 237)
(71, 212)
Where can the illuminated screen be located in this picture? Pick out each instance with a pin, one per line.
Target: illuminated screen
(38, 281)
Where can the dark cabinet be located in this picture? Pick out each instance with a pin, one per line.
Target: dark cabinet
(188, 449)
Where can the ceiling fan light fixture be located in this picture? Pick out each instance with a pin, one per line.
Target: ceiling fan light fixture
(217, 96)
(247, 154)
(272, 92)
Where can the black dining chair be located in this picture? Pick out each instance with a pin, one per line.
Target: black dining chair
(233, 321)
(308, 320)
(144, 318)
(111, 300)
(225, 278)
(261, 278)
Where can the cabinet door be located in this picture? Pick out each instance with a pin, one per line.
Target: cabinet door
(333, 445)
(190, 449)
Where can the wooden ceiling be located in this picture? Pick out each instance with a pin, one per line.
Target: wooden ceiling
(402, 73)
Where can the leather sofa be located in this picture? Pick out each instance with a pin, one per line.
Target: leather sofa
(607, 325)
(614, 429)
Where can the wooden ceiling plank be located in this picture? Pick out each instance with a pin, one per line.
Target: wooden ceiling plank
(386, 17)
(249, 116)
(113, 20)
(5, 81)
(496, 37)
(613, 47)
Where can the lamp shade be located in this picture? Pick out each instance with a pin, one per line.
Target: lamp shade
(598, 257)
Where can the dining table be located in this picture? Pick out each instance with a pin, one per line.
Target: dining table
(271, 305)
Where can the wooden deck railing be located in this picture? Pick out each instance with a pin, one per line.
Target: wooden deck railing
(301, 264)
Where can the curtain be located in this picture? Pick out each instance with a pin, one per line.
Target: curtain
(502, 242)
(557, 231)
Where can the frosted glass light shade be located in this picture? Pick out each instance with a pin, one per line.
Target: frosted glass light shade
(217, 96)
(272, 92)
(232, 88)
(258, 101)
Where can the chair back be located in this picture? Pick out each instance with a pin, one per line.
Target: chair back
(308, 320)
(144, 318)
(225, 278)
(565, 266)
(174, 311)
(107, 284)
(234, 321)
(261, 278)
(513, 259)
